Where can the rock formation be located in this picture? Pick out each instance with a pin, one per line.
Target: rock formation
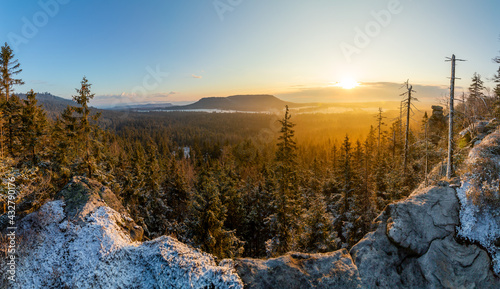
(437, 124)
(414, 246)
(299, 270)
(86, 240)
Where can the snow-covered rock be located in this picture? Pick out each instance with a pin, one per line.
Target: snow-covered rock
(81, 242)
(479, 197)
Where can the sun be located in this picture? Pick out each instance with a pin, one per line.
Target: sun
(348, 83)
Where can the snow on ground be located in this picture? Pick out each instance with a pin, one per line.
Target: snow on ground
(97, 253)
(480, 218)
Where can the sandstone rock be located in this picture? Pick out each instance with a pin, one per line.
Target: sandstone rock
(378, 259)
(448, 264)
(414, 247)
(328, 270)
(82, 196)
(428, 214)
(84, 245)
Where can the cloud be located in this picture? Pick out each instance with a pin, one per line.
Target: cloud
(365, 92)
(196, 76)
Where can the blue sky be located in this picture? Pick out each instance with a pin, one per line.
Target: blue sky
(148, 51)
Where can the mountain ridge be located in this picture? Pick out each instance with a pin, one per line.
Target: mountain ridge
(247, 102)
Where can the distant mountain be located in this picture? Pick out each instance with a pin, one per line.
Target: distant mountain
(258, 102)
(52, 104)
(147, 106)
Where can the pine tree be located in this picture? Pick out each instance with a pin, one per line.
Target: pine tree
(208, 217)
(380, 123)
(319, 234)
(258, 203)
(476, 100)
(9, 67)
(33, 127)
(86, 129)
(496, 89)
(81, 134)
(286, 153)
(286, 199)
(12, 125)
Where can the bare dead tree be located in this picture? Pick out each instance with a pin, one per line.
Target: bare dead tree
(449, 167)
(407, 106)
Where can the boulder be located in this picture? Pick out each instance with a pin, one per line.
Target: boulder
(427, 214)
(378, 259)
(448, 264)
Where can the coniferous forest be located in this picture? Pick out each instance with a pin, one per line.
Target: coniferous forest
(231, 184)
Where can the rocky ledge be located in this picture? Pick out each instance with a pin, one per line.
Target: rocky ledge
(414, 246)
(86, 240)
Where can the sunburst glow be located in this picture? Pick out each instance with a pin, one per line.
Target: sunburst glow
(348, 83)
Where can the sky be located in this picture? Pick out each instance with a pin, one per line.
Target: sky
(181, 51)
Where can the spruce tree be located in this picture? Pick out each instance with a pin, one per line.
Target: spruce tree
(12, 113)
(258, 205)
(177, 191)
(286, 153)
(319, 234)
(379, 117)
(81, 133)
(284, 220)
(496, 89)
(347, 188)
(9, 68)
(86, 129)
(33, 127)
(207, 221)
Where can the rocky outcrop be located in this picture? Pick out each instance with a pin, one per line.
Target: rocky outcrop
(82, 196)
(437, 124)
(298, 271)
(413, 246)
(85, 241)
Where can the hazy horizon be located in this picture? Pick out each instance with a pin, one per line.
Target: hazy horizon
(302, 52)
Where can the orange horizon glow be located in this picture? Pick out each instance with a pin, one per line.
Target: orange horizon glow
(347, 83)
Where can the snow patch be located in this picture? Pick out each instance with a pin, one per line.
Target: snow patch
(100, 254)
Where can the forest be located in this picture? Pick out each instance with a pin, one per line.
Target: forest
(234, 184)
